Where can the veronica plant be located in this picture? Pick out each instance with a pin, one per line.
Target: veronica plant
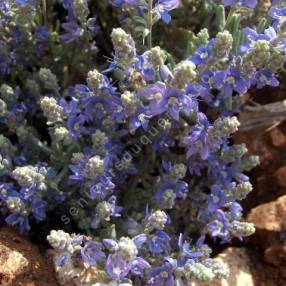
(137, 158)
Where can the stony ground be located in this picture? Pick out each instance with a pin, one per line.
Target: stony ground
(22, 263)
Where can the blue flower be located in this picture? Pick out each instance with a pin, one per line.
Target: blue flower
(26, 2)
(231, 80)
(216, 199)
(277, 13)
(121, 262)
(72, 32)
(179, 189)
(92, 252)
(219, 227)
(62, 260)
(265, 77)
(119, 3)
(22, 221)
(162, 275)
(197, 141)
(252, 36)
(138, 266)
(173, 101)
(42, 33)
(163, 7)
(159, 243)
(235, 210)
(117, 267)
(186, 252)
(101, 187)
(140, 119)
(202, 55)
(38, 208)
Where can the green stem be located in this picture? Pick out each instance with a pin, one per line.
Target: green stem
(37, 142)
(149, 22)
(44, 3)
(229, 17)
(61, 175)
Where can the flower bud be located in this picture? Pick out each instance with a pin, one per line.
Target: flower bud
(59, 239)
(3, 108)
(51, 110)
(238, 228)
(48, 80)
(127, 248)
(157, 220)
(184, 72)
(15, 205)
(124, 47)
(243, 189)
(27, 176)
(130, 101)
(99, 139)
(156, 57)
(178, 171)
(223, 44)
(81, 10)
(6, 92)
(95, 80)
(94, 167)
(61, 134)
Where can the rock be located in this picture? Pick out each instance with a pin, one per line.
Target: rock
(238, 262)
(270, 222)
(280, 174)
(278, 138)
(275, 255)
(21, 263)
(270, 216)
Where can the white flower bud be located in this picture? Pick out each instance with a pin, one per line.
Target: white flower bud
(61, 134)
(243, 189)
(223, 44)
(238, 228)
(94, 167)
(179, 171)
(48, 80)
(51, 109)
(124, 47)
(6, 92)
(198, 272)
(81, 10)
(127, 248)
(95, 80)
(27, 176)
(156, 56)
(184, 72)
(99, 139)
(3, 108)
(157, 220)
(103, 210)
(15, 205)
(130, 101)
(59, 239)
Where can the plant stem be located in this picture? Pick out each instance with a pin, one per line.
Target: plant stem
(149, 23)
(44, 3)
(229, 17)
